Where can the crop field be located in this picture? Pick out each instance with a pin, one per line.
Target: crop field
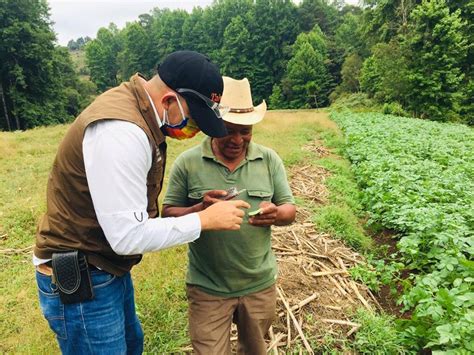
(409, 179)
(417, 179)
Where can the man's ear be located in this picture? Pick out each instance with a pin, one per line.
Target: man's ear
(167, 99)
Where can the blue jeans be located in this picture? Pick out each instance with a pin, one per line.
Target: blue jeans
(107, 324)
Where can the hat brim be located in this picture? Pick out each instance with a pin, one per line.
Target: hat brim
(205, 118)
(247, 118)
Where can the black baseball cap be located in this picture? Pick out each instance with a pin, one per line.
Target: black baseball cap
(199, 81)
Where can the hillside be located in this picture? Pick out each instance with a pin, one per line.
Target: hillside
(79, 60)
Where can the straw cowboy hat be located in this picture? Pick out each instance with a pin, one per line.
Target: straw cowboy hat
(238, 98)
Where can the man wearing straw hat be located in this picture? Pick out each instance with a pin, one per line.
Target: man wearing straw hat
(231, 275)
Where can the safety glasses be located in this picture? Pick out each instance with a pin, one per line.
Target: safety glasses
(218, 109)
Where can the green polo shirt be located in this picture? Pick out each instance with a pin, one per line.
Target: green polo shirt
(230, 263)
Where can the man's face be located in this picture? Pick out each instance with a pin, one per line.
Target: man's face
(235, 144)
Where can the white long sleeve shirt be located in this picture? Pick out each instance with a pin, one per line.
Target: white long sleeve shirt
(117, 158)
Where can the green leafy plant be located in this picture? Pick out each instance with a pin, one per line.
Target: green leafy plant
(416, 178)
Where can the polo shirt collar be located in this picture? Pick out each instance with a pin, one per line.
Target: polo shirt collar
(253, 151)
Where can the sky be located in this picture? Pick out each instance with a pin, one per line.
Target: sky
(73, 18)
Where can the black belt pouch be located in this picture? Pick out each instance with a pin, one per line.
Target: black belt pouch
(73, 278)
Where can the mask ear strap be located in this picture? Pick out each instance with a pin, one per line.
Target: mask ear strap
(165, 117)
(180, 107)
(165, 111)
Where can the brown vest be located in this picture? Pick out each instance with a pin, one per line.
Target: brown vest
(70, 221)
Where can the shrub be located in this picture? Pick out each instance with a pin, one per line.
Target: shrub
(394, 108)
(355, 101)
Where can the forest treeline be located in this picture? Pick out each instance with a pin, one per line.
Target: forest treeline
(414, 57)
(38, 82)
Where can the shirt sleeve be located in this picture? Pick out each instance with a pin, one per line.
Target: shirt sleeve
(282, 192)
(177, 193)
(117, 158)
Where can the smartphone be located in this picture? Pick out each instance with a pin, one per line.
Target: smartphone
(232, 192)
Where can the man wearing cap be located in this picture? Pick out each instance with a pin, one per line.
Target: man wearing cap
(102, 209)
(231, 274)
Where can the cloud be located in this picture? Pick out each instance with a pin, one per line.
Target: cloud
(73, 19)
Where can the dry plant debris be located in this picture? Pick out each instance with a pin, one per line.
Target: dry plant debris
(316, 294)
(308, 182)
(317, 148)
(13, 251)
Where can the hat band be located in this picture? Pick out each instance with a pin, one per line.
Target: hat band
(241, 110)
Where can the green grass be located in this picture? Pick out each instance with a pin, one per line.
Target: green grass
(340, 222)
(25, 161)
(377, 334)
(341, 216)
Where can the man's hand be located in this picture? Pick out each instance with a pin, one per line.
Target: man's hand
(223, 215)
(267, 215)
(212, 197)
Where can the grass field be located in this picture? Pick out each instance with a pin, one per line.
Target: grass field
(25, 161)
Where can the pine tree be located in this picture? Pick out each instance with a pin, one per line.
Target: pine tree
(235, 53)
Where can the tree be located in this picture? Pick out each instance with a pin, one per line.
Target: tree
(384, 75)
(101, 57)
(318, 12)
(436, 47)
(385, 19)
(75, 45)
(135, 56)
(235, 53)
(276, 99)
(72, 45)
(33, 69)
(350, 73)
(273, 27)
(166, 33)
(349, 36)
(466, 8)
(306, 80)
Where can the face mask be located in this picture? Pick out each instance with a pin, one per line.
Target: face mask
(186, 129)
